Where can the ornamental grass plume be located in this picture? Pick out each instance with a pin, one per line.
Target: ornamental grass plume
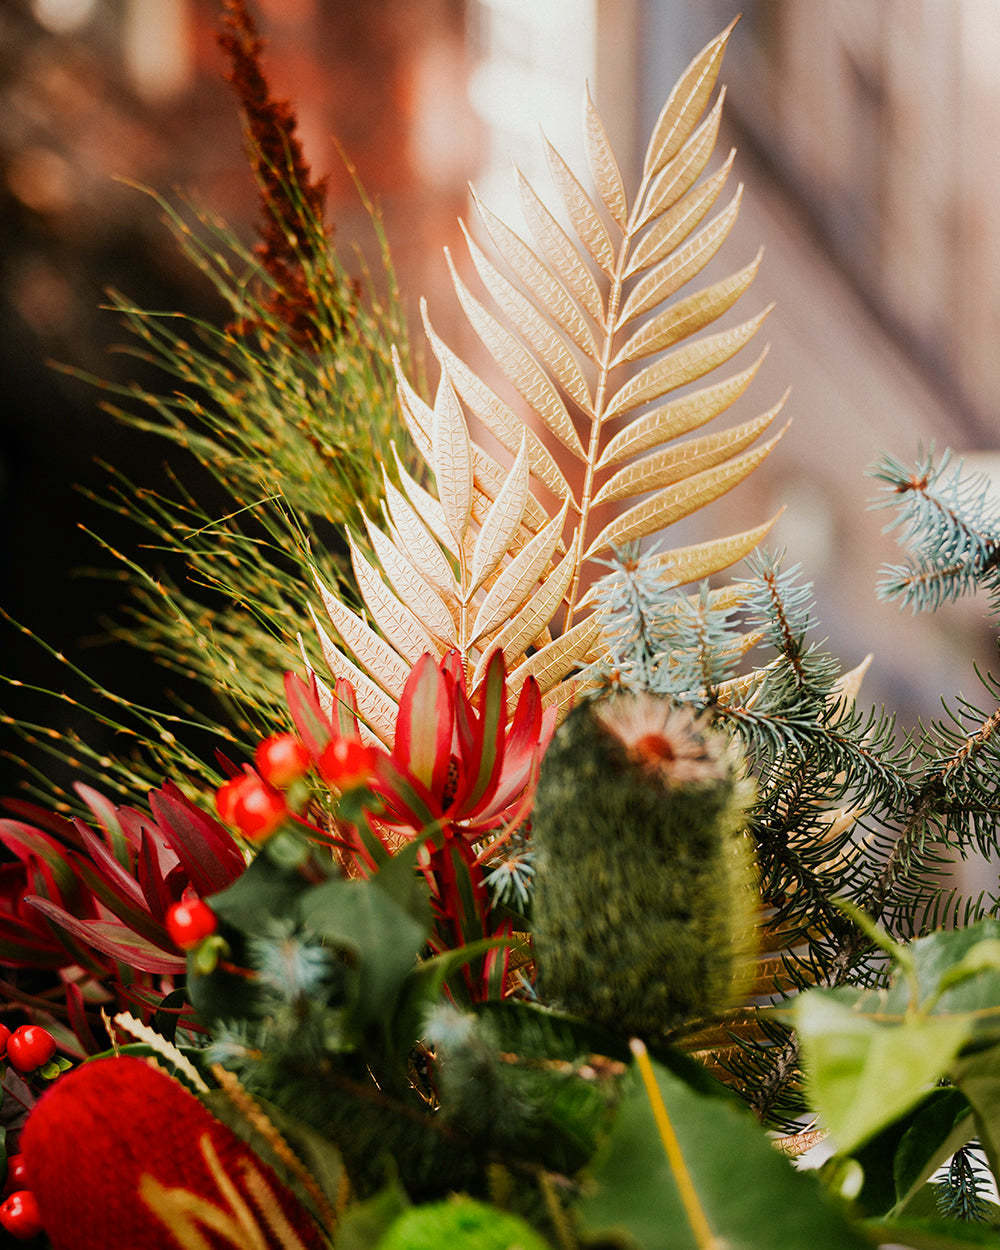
(643, 906)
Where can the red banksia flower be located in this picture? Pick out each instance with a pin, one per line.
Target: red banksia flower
(121, 1155)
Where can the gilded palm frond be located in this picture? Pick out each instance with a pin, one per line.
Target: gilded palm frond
(593, 330)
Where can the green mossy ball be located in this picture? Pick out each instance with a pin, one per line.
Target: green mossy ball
(644, 897)
(460, 1224)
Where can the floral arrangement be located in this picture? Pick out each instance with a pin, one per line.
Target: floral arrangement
(508, 906)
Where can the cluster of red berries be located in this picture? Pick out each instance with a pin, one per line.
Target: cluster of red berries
(257, 801)
(27, 1049)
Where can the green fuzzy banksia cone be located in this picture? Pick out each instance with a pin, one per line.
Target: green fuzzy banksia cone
(644, 899)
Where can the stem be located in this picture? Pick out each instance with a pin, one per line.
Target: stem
(703, 1235)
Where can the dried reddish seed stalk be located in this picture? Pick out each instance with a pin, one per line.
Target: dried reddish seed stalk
(292, 200)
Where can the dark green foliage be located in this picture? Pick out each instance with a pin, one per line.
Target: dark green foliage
(962, 1193)
(847, 805)
(643, 897)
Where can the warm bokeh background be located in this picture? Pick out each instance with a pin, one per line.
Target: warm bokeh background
(867, 136)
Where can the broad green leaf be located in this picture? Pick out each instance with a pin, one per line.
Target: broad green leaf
(977, 1075)
(956, 971)
(863, 1074)
(929, 1234)
(383, 939)
(750, 1195)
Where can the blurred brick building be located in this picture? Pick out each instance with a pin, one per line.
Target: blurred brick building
(865, 135)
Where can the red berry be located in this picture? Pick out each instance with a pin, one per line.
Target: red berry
(30, 1047)
(190, 922)
(17, 1174)
(249, 803)
(4, 1035)
(281, 759)
(347, 763)
(19, 1215)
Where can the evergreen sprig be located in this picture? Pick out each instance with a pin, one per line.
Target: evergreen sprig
(950, 520)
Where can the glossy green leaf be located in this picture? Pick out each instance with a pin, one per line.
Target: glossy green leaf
(862, 1073)
(978, 1077)
(751, 1196)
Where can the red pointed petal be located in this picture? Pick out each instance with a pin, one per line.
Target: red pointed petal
(204, 847)
(113, 939)
(425, 723)
(487, 761)
(310, 721)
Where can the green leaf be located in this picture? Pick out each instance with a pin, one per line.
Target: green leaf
(382, 940)
(978, 1077)
(930, 1234)
(751, 1196)
(956, 971)
(265, 890)
(864, 1074)
(399, 878)
(940, 1127)
(364, 1224)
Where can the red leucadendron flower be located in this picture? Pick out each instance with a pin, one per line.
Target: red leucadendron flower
(460, 770)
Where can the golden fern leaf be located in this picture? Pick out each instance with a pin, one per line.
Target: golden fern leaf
(592, 347)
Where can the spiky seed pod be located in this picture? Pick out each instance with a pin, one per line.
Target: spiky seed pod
(644, 899)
